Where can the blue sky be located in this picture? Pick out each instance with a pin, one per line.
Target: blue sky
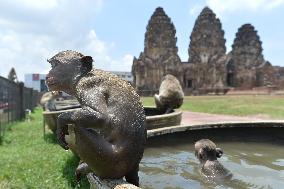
(112, 31)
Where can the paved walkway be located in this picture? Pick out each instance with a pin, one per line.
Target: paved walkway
(197, 121)
(193, 118)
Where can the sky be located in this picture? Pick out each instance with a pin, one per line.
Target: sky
(112, 31)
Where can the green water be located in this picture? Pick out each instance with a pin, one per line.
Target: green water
(256, 161)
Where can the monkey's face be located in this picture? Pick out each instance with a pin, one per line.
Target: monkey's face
(205, 150)
(61, 75)
(66, 67)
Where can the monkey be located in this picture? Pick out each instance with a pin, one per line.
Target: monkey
(47, 100)
(207, 154)
(170, 94)
(109, 129)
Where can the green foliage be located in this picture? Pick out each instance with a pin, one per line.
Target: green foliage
(243, 105)
(29, 161)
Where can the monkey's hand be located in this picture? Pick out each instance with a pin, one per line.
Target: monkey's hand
(62, 128)
(81, 170)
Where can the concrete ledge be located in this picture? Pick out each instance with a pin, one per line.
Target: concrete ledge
(97, 183)
(216, 125)
(163, 120)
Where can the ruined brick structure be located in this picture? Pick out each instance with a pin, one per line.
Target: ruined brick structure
(207, 52)
(208, 67)
(249, 67)
(160, 54)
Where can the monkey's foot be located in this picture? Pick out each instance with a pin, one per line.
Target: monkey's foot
(61, 141)
(132, 177)
(82, 169)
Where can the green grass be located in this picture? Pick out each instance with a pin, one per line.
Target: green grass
(243, 105)
(29, 161)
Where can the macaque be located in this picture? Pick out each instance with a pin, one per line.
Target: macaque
(170, 94)
(109, 129)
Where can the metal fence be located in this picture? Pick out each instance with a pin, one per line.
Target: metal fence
(14, 100)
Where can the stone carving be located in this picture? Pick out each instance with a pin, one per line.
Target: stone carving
(207, 154)
(108, 132)
(170, 94)
(160, 54)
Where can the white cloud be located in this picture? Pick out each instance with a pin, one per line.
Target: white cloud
(39, 5)
(222, 6)
(26, 53)
(100, 52)
(123, 64)
(32, 31)
(195, 9)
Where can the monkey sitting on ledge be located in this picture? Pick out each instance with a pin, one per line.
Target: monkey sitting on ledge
(109, 128)
(170, 94)
(47, 100)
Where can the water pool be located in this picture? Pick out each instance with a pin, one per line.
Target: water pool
(255, 156)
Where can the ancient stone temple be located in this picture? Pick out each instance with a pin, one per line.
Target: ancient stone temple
(208, 68)
(206, 51)
(249, 69)
(159, 56)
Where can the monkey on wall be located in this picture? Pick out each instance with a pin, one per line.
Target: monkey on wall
(170, 94)
(47, 100)
(207, 154)
(109, 128)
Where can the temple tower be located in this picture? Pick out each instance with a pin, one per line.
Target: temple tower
(160, 54)
(207, 51)
(247, 58)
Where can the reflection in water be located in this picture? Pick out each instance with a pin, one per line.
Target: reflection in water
(169, 162)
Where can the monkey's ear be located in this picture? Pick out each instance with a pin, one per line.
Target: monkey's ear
(219, 152)
(87, 63)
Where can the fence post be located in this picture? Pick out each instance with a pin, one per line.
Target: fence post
(22, 106)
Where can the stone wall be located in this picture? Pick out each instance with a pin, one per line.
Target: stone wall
(247, 57)
(206, 48)
(159, 56)
(208, 67)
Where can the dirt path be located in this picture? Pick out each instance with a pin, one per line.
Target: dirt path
(200, 118)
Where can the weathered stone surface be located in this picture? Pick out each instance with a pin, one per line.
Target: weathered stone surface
(207, 42)
(209, 69)
(159, 56)
(247, 58)
(266, 75)
(279, 76)
(97, 183)
(207, 51)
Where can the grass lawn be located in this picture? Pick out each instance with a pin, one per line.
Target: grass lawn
(29, 161)
(243, 105)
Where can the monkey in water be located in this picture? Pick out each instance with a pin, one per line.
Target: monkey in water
(207, 154)
(109, 128)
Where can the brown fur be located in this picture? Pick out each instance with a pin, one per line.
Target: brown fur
(47, 100)
(170, 94)
(207, 154)
(109, 129)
